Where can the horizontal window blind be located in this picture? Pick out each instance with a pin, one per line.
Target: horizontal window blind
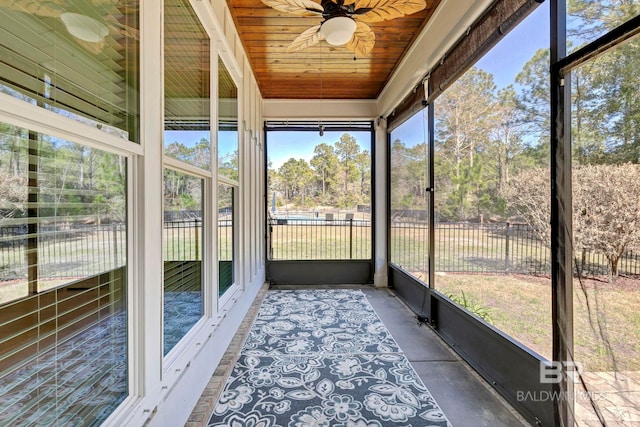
(92, 82)
(63, 258)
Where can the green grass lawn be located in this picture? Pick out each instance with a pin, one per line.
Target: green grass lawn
(606, 316)
(307, 241)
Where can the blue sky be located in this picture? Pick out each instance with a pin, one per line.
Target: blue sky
(188, 138)
(413, 131)
(507, 58)
(282, 146)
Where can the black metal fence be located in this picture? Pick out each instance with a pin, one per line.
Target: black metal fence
(490, 248)
(63, 250)
(459, 247)
(79, 250)
(317, 239)
(182, 240)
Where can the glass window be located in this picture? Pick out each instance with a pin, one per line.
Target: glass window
(605, 140)
(186, 138)
(63, 281)
(492, 183)
(76, 58)
(183, 234)
(227, 124)
(226, 239)
(228, 167)
(319, 203)
(409, 200)
(187, 121)
(588, 20)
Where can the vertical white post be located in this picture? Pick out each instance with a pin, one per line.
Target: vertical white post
(380, 208)
(146, 295)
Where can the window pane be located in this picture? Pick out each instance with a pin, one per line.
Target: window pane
(320, 200)
(186, 88)
(76, 58)
(409, 239)
(183, 233)
(605, 141)
(492, 206)
(227, 123)
(226, 276)
(63, 256)
(588, 20)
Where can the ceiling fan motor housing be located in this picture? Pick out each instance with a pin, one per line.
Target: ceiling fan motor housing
(338, 8)
(338, 30)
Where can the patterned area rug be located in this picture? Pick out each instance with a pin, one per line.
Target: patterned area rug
(323, 358)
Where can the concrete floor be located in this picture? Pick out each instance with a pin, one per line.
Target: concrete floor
(466, 399)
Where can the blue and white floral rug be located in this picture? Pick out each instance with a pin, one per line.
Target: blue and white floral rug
(323, 358)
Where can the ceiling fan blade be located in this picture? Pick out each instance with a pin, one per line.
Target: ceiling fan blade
(384, 10)
(307, 38)
(362, 41)
(296, 7)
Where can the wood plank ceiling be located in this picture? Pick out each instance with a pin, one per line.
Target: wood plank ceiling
(321, 71)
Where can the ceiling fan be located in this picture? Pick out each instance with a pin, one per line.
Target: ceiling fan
(345, 21)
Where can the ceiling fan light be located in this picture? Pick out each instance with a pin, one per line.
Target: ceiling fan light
(84, 27)
(339, 30)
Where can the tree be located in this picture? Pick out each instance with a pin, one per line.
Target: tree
(174, 184)
(399, 180)
(199, 155)
(610, 106)
(528, 194)
(506, 135)
(363, 165)
(589, 19)
(228, 165)
(295, 179)
(347, 150)
(325, 165)
(606, 210)
(464, 120)
(178, 151)
(534, 101)
(111, 187)
(305, 180)
(202, 154)
(416, 174)
(605, 105)
(13, 195)
(13, 171)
